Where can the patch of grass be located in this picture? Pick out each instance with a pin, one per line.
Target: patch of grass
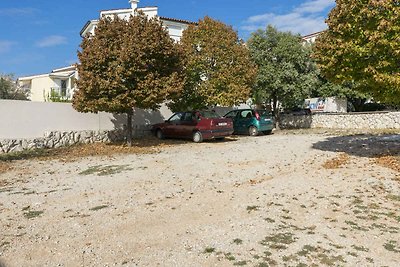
(393, 197)
(360, 248)
(355, 226)
(209, 250)
(392, 246)
(307, 249)
(279, 241)
(105, 170)
(237, 241)
(290, 258)
(32, 214)
(240, 263)
(229, 256)
(370, 260)
(98, 207)
(330, 260)
(355, 255)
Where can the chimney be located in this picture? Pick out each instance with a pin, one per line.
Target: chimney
(134, 4)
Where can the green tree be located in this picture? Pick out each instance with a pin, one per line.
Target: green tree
(362, 45)
(286, 73)
(10, 90)
(218, 67)
(127, 64)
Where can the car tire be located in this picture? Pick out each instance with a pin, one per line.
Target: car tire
(253, 131)
(160, 134)
(267, 132)
(197, 137)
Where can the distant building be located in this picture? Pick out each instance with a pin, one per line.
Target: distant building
(310, 38)
(58, 85)
(175, 27)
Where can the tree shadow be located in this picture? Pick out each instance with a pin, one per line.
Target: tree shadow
(362, 145)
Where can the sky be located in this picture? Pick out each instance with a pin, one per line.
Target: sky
(37, 36)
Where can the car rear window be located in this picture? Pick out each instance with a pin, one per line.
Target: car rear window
(209, 114)
(264, 113)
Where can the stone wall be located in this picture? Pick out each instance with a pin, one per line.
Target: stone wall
(57, 139)
(370, 120)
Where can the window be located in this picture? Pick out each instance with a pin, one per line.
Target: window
(176, 117)
(63, 90)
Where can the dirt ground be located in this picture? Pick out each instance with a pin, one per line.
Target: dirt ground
(304, 199)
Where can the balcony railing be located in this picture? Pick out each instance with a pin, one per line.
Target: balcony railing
(58, 94)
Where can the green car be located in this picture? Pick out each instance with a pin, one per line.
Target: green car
(251, 122)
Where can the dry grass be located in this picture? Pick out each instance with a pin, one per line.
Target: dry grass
(5, 167)
(392, 162)
(337, 162)
(76, 152)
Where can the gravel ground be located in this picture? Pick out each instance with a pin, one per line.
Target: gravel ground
(284, 200)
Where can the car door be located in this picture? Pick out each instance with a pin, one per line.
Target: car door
(171, 127)
(188, 123)
(244, 120)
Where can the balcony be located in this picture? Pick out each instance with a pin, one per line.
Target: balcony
(59, 94)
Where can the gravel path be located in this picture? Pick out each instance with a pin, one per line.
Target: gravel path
(294, 200)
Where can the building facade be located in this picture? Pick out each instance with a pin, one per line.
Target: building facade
(58, 85)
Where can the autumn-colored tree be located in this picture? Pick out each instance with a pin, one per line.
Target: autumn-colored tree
(127, 64)
(218, 68)
(286, 72)
(362, 44)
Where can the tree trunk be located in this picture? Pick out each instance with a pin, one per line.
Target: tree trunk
(276, 111)
(129, 128)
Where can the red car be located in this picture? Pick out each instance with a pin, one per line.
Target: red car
(195, 125)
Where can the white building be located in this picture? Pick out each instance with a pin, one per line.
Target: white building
(310, 38)
(175, 27)
(57, 85)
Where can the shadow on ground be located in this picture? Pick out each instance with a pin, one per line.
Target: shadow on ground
(362, 145)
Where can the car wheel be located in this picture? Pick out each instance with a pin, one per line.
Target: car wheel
(197, 137)
(267, 132)
(160, 134)
(253, 131)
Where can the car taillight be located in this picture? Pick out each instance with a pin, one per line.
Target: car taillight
(258, 116)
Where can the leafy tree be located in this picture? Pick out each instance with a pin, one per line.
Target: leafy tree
(362, 45)
(218, 68)
(126, 64)
(286, 73)
(10, 90)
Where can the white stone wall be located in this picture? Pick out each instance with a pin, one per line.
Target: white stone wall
(370, 120)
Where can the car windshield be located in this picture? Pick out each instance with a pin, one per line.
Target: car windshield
(209, 114)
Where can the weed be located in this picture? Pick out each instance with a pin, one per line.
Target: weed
(392, 246)
(32, 214)
(355, 255)
(209, 250)
(289, 258)
(252, 208)
(269, 220)
(330, 260)
(229, 256)
(393, 197)
(98, 207)
(240, 263)
(370, 260)
(237, 241)
(360, 248)
(307, 249)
